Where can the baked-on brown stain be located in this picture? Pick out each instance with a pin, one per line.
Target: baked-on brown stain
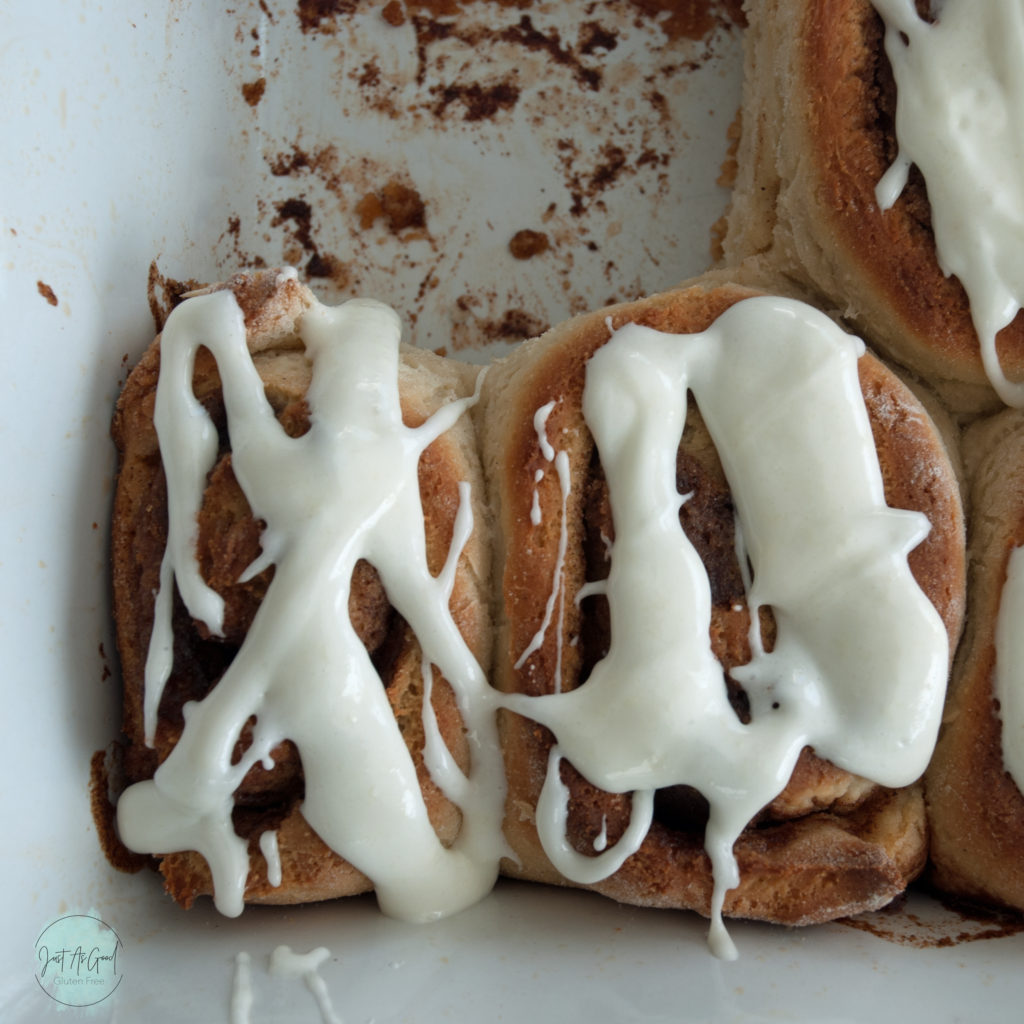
(252, 92)
(47, 292)
(393, 13)
(479, 102)
(963, 922)
(527, 243)
(298, 213)
(692, 19)
(400, 205)
(316, 16)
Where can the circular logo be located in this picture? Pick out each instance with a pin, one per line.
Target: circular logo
(78, 960)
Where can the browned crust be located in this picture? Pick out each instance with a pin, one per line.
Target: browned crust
(975, 810)
(839, 841)
(228, 541)
(818, 114)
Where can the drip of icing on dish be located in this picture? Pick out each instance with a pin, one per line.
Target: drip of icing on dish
(241, 990)
(858, 672)
(960, 88)
(283, 963)
(302, 671)
(286, 964)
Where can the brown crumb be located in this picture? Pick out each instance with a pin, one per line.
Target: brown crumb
(393, 13)
(693, 19)
(47, 292)
(526, 244)
(318, 16)
(253, 91)
(400, 205)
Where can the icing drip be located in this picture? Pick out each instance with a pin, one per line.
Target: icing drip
(283, 963)
(1008, 684)
(302, 670)
(754, 633)
(241, 990)
(286, 964)
(857, 672)
(960, 88)
(272, 856)
(557, 595)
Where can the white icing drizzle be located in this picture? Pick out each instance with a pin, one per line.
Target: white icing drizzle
(557, 595)
(1009, 669)
(535, 512)
(241, 990)
(272, 856)
(960, 89)
(858, 671)
(286, 964)
(540, 420)
(591, 589)
(754, 631)
(601, 839)
(302, 670)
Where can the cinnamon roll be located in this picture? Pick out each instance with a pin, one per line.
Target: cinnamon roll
(896, 197)
(300, 576)
(975, 783)
(733, 578)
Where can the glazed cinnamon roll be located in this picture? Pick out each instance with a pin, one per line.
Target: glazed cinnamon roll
(896, 197)
(300, 573)
(975, 783)
(733, 577)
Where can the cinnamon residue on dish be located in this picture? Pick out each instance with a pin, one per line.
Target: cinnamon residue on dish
(400, 205)
(47, 292)
(527, 243)
(481, 102)
(470, 71)
(959, 922)
(693, 19)
(297, 215)
(394, 13)
(252, 92)
(319, 15)
(472, 329)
